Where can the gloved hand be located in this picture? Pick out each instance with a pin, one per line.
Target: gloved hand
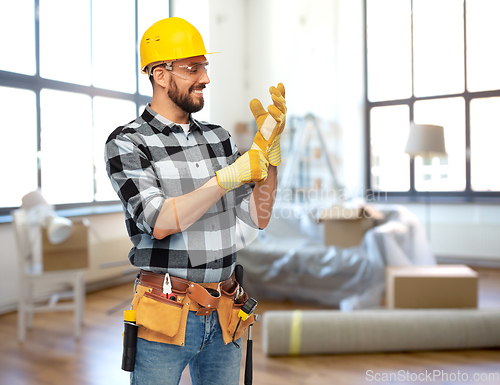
(270, 124)
(249, 167)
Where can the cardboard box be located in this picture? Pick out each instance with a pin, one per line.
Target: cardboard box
(346, 226)
(70, 254)
(440, 286)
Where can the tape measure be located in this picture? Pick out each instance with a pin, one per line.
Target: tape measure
(247, 309)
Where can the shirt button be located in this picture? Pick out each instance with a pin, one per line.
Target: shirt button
(197, 165)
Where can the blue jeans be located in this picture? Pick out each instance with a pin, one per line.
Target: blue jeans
(210, 360)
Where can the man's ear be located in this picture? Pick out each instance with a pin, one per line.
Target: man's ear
(159, 75)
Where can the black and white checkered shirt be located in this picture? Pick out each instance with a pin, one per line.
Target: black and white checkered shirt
(151, 159)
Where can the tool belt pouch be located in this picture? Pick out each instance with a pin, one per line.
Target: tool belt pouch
(160, 319)
(228, 317)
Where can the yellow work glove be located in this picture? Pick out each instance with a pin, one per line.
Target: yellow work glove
(270, 124)
(249, 167)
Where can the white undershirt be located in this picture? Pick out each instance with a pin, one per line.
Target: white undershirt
(162, 119)
(185, 127)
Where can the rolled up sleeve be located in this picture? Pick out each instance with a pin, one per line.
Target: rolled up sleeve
(134, 180)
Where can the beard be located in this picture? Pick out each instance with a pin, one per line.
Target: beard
(186, 102)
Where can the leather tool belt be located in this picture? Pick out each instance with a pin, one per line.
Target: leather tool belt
(205, 296)
(164, 320)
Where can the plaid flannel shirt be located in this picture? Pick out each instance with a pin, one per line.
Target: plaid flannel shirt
(151, 159)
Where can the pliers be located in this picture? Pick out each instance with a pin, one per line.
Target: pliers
(167, 288)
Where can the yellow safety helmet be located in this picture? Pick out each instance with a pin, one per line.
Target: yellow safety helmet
(170, 39)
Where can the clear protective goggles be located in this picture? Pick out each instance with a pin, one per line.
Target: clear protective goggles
(193, 72)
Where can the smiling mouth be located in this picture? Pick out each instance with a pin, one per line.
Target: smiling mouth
(198, 90)
(198, 93)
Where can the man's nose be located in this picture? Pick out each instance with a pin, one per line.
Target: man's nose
(204, 78)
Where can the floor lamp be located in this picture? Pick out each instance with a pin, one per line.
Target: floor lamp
(426, 140)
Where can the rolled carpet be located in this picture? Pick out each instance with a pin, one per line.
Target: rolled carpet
(332, 331)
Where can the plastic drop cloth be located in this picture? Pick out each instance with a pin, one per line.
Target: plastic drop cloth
(288, 260)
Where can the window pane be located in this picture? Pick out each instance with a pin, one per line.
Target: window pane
(20, 127)
(146, 18)
(17, 37)
(108, 115)
(485, 136)
(390, 165)
(438, 47)
(448, 173)
(113, 45)
(145, 87)
(389, 49)
(483, 59)
(65, 41)
(67, 164)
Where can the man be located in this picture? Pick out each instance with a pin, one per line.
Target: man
(183, 184)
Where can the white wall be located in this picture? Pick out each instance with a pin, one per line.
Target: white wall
(229, 101)
(462, 232)
(295, 42)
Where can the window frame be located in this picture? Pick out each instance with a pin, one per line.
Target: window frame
(412, 195)
(36, 83)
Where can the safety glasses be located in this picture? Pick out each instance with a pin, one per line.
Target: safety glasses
(193, 72)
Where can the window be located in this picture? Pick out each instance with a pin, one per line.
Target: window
(65, 84)
(66, 146)
(427, 62)
(22, 134)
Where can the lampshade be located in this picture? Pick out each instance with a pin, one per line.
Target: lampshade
(36, 207)
(38, 210)
(425, 140)
(58, 229)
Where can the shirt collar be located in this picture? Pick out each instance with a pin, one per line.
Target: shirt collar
(164, 125)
